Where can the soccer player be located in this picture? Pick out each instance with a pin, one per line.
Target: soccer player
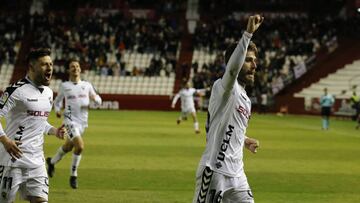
(77, 94)
(326, 102)
(220, 176)
(186, 95)
(26, 106)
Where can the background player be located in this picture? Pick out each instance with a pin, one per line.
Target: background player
(26, 106)
(220, 176)
(326, 102)
(186, 95)
(77, 94)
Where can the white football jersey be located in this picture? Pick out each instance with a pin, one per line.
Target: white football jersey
(26, 108)
(77, 100)
(186, 98)
(228, 115)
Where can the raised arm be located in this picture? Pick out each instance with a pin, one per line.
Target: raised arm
(237, 58)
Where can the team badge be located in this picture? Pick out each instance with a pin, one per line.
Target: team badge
(4, 98)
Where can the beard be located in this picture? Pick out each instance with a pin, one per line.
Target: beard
(246, 78)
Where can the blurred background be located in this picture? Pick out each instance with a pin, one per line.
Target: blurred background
(138, 53)
(140, 50)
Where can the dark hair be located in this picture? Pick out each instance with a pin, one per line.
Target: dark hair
(230, 49)
(37, 53)
(67, 64)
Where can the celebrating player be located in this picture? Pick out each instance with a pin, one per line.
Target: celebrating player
(26, 106)
(77, 94)
(186, 95)
(220, 175)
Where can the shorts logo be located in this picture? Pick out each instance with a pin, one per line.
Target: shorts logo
(3, 195)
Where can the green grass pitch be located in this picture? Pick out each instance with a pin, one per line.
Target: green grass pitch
(144, 157)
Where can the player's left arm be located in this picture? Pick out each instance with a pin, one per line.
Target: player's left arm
(59, 132)
(251, 144)
(94, 96)
(238, 56)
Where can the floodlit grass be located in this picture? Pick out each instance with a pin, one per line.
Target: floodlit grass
(144, 157)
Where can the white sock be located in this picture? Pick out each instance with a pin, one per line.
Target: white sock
(196, 126)
(58, 156)
(75, 164)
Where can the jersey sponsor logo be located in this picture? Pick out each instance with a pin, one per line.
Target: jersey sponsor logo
(82, 96)
(224, 146)
(31, 100)
(71, 97)
(38, 113)
(243, 111)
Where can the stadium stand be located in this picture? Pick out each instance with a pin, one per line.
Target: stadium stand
(339, 84)
(141, 48)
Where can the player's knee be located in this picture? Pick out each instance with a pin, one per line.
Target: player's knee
(79, 149)
(67, 148)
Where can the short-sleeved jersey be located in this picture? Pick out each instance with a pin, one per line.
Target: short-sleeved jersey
(77, 100)
(326, 100)
(187, 98)
(228, 116)
(26, 108)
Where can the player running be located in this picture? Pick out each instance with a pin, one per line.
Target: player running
(220, 176)
(77, 94)
(26, 106)
(186, 95)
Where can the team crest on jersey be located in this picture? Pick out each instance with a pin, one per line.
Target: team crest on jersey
(4, 98)
(50, 101)
(82, 87)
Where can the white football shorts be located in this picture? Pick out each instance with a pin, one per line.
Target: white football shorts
(74, 129)
(213, 187)
(187, 110)
(28, 181)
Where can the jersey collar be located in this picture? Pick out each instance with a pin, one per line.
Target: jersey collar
(40, 88)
